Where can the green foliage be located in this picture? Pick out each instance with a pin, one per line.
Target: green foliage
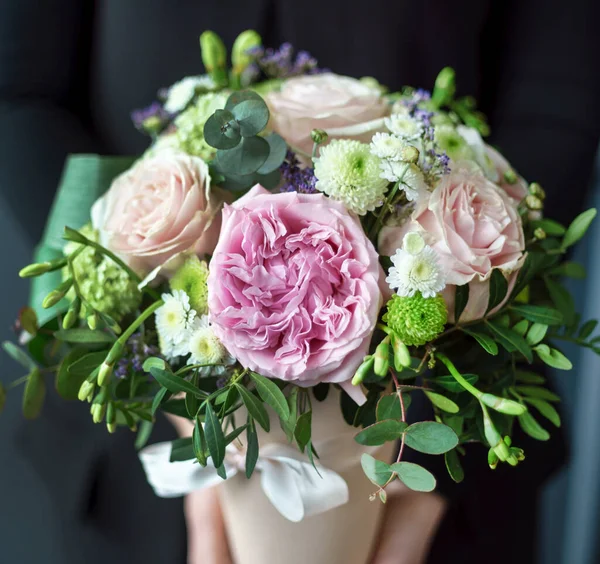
(378, 472)
(34, 394)
(498, 288)
(84, 336)
(454, 466)
(175, 384)
(532, 427)
(553, 357)
(18, 355)
(214, 437)
(251, 448)
(143, 435)
(578, 227)
(255, 407)
(460, 301)
(381, 432)
(199, 442)
(303, 430)
(414, 476)
(449, 382)
(271, 394)
(546, 409)
(486, 342)
(388, 407)
(222, 131)
(510, 340)
(442, 402)
(430, 437)
(182, 449)
(71, 374)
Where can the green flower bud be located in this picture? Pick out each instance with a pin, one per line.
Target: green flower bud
(85, 390)
(503, 405)
(112, 427)
(240, 58)
(382, 358)
(492, 459)
(191, 278)
(510, 176)
(152, 124)
(410, 154)
(401, 354)
(114, 353)
(416, 320)
(214, 56)
(539, 234)
(534, 202)
(104, 374)
(319, 136)
(92, 320)
(98, 412)
(363, 370)
(445, 87)
(58, 294)
(111, 414)
(72, 314)
(536, 190)
(38, 268)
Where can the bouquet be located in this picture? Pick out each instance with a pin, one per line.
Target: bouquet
(297, 254)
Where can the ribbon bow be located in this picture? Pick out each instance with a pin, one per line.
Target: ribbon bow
(287, 478)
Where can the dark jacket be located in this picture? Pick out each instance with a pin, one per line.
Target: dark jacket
(70, 73)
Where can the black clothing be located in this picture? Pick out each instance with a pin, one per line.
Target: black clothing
(71, 72)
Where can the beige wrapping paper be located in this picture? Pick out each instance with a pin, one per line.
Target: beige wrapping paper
(258, 534)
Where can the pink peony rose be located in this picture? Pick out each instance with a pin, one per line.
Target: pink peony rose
(340, 105)
(518, 190)
(294, 287)
(474, 227)
(160, 207)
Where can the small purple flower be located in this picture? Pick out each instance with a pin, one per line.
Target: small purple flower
(152, 118)
(295, 178)
(280, 63)
(136, 352)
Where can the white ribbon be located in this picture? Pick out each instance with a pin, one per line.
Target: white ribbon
(287, 478)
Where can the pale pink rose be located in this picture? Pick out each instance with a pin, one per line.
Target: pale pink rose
(474, 227)
(294, 287)
(340, 105)
(518, 190)
(162, 206)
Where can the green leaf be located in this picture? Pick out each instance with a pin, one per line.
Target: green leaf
(67, 385)
(158, 398)
(414, 476)
(509, 339)
(2, 397)
(546, 409)
(175, 384)
(521, 327)
(553, 358)
(460, 301)
(288, 425)
(192, 404)
(303, 430)
(570, 269)
(252, 116)
(578, 227)
(380, 433)
(246, 158)
(536, 333)
(239, 97)
(255, 407)
(442, 402)
(550, 226)
(199, 442)
(498, 289)
(84, 366)
(486, 342)
(539, 314)
(449, 382)
(231, 399)
(34, 394)
(154, 362)
(532, 427)
(538, 392)
(251, 449)
(430, 437)
(562, 300)
(321, 391)
(175, 407)
(529, 377)
(277, 152)
(143, 434)
(271, 394)
(221, 131)
(214, 436)
(388, 407)
(533, 262)
(587, 329)
(378, 472)
(454, 466)
(182, 449)
(230, 437)
(83, 335)
(18, 355)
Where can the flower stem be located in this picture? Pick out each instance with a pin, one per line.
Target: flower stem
(458, 376)
(143, 316)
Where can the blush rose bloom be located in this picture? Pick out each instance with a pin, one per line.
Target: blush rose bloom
(162, 206)
(474, 226)
(340, 105)
(294, 288)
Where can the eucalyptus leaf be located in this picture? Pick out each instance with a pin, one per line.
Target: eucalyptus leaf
(221, 131)
(277, 152)
(388, 407)
(19, 355)
(430, 437)
(460, 301)
(214, 436)
(486, 342)
(454, 466)
(271, 394)
(246, 158)
(252, 116)
(414, 477)
(34, 394)
(498, 289)
(442, 402)
(578, 227)
(239, 97)
(255, 407)
(378, 472)
(532, 427)
(381, 432)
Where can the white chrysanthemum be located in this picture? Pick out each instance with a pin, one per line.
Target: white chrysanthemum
(416, 269)
(389, 147)
(405, 126)
(347, 171)
(173, 322)
(181, 93)
(205, 348)
(413, 180)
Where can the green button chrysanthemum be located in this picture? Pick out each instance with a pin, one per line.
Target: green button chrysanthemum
(191, 278)
(347, 171)
(190, 125)
(103, 283)
(416, 320)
